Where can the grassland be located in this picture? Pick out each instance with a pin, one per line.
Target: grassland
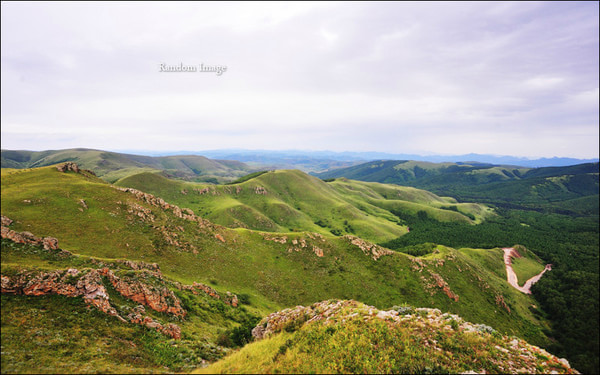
(570, 189)
(111, 166)
(272, 270)
(526, 267)
(292, 201)
(359, 339)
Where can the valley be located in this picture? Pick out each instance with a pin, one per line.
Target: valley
(268, 241)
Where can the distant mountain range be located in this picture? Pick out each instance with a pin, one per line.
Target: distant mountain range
(316, 161)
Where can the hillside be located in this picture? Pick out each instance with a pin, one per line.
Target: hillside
(100, 224)
(332, 337)
(552, 210)
(111, 166)
(292, 201)
(560, 188)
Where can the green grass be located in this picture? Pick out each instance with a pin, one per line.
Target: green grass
(272, 275)
(295, 201)
(527, 266)
(57, 334)
(554, 189)
(353, 341)
(112, 166)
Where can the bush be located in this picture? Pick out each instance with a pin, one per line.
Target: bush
(244, 298)
(240, 335)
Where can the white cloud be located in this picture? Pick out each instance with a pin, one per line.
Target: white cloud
(401, 77)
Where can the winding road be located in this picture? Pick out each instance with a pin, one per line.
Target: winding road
(511, 276)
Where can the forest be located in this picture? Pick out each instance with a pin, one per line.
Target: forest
(568, 295)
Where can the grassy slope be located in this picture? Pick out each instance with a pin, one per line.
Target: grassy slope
(58, 334)
(353, 341)
(402, 172)
(246, 263)
(112, 166)
(295, 201)
(556, 187)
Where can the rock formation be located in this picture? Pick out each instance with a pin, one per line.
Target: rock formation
(513, 355)
(184, 213)
(370, 249)
(49, 243)
(87, 283)
(68, 166)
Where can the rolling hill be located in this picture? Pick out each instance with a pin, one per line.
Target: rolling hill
(291, 201)
(112, 166)
(555, 187)
(118, 233)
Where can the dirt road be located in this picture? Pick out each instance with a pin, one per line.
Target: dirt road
(511, 276)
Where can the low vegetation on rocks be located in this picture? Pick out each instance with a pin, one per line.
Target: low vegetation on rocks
(345, 336)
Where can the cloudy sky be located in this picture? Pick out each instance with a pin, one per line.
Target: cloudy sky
(512, 78)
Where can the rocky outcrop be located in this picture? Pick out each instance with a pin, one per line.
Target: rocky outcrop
(49, 243)
(370, 249)
(73, 167)
(84, 205)
(511, 355)
(318, 251)
(139, 265)
(273, 238)
(70, 283)
(68, 166)
(88, 284)
(298, 244)
(231, 299)
(152, 200)
(160, 299)
(137, 316)
(5, 221)
(441, 283)
(143, 213)
(316, 236)
(500, 302)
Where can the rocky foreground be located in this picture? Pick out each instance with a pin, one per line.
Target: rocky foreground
(398, 340)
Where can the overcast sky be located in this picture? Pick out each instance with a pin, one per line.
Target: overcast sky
(428, 78)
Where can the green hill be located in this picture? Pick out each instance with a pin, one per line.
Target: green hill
(333, 337)
(101, 224)
(547, 187)
(292, 201)
(112, 166)
(552, 210)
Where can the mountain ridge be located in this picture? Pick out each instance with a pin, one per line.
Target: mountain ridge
(112, 166)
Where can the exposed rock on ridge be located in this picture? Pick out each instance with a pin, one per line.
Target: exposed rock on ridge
(510, 354)
(49, 243)
(183, 213)
(70, 166)
(370, 249)
(87, 283)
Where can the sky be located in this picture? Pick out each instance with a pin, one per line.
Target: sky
(443, 78)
